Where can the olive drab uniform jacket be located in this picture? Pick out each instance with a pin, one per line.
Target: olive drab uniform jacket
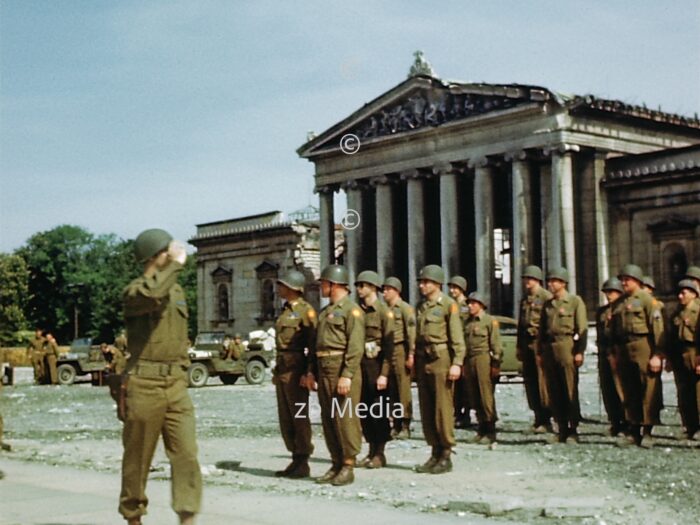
(295, 328)
(529, 321)
(156, 317)
(439, 323)
(404, 325)
(685, 328)
(565, 317)
(481, 336)
(637, 316)
(379, 334)
(341, 327)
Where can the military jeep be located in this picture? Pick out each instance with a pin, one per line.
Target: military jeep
(83, 358)
(207, 360)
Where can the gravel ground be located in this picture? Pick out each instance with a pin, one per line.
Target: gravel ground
(523, 480)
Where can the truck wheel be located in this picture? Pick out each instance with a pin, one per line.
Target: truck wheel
(66, 374)
(197, 375)
(254, 372)
(229, 379)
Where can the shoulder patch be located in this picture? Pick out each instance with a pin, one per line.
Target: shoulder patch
(356, 312)
(311, 313)
(390, 314)
(495, 323)
(454, 308)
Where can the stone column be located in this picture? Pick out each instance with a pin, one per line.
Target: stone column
(385, 226)
(483, 222)
(563, 188)
(327, 225)
(601, 217)
(415, 199)
(353, 235)
(449, 205)
(522, 246)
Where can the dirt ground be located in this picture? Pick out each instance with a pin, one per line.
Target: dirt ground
(524, 480)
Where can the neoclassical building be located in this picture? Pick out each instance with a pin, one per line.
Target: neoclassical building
(485, 178)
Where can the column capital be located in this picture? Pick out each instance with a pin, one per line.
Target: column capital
(325, 189)
(351, 185)
(411, 174)
(516, 155)
(560, 149)
(381, 181)
(478, 162)
(446, 168)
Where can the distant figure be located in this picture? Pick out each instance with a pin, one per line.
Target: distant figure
(52, 353)
(35, 353)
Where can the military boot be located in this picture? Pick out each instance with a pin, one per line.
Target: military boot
(329, 475)
(379, 459)
(301, 470)
(444, 464)
(364, 462)
(432, 461)
(345, 477)
(491, 435)
(289, 468)
(647, 441)
(405, 432)
(186, 518)
(480, 434)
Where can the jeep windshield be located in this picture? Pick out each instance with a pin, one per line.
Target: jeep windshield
(209, 339)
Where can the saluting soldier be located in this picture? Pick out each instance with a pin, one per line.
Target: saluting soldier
(528, 347)
(375, 366)
(157, 402)
(340, 343)
(403, 356)
(457, 287)
(609, 382)
(52, 352)
(295, 334)
(685, 355)
(636, 329)
(439, 358)
(563, 342)
(35, 353)
(482, 366)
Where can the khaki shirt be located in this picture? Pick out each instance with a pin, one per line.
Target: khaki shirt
(36, 344)
(530, 315)
(481, 336)
(52, 348)
(341, 327)
(565, 317)
(684, 326)
(637, 316)
(120, 343)
(295, 328)
(155, 313)
(603, 327)
(463, 309)
(439, 323)
(379, 331)
(405, 325)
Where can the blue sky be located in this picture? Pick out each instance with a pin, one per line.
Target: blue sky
(118, 116)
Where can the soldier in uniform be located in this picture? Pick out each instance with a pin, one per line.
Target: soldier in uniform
(693, 273)
(685, 355)
(457, 287)
(51, 351)
(235, 348)
(482, 366)
(120, 342)
(375, 366)
(649, 286)
(527, 347)
(295, 333)
(35, 353)
(637, 327)
(340, 344)
(609, 382)
(563, 331)
(157, 402)
(439, 358)
(403, 357)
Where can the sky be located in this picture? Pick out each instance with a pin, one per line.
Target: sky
(119, 116)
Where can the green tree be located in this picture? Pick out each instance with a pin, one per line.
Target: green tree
(14, 296)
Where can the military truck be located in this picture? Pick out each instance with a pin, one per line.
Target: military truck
(511, 368)
(83, 358)
(207, 358)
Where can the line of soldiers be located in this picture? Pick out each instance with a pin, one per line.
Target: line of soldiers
(365, 354)
(43, 353)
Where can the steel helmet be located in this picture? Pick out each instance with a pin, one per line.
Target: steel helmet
(393, 282)
(335, 273)
(369, 277)
(648, 280)
(693, 272)
(534, 272)
(458, 281)
(561, 274)
(432, 272)
(294, 280)
(633, 271)
(690, 285)
(477, 298)
(612, 284)
(150, 243)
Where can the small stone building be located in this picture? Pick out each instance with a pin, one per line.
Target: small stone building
(239, 261)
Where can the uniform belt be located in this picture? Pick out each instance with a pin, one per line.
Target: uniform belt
(155, 369)
(630, 338)
(329, 353)
(560, 337)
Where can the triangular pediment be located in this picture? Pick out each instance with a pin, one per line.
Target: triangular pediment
(423, 102)
(221, 272)
(673, 223)
(267, 267)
